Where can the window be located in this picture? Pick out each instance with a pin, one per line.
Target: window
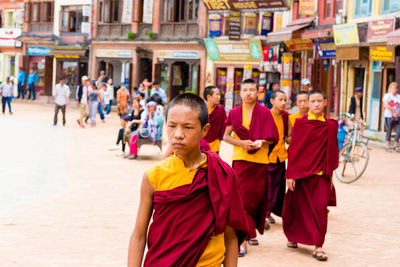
(71, 19)
(362, 8)
(390, 6)
(328, 9)
(46, 12)
(27, 10)
(110, 11)
(9, 19)
(35, 12)
(181, 10)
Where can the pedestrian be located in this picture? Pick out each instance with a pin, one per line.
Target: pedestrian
(267, 98)
(102, 78)
(356, 104)
(253, 131)
(391, 101)
(142, 89)
(313, 155)
(82, 95)
(302, 106)
(110, 95)
(61, 98)
(217, 117)
(21, 83)
(305, 85)
(94, 101)
(277, 158)
(122, 100)
(7, 93)
(156, 89)
(32, 79)
(198, 215)
(142, 100)
(102, 89)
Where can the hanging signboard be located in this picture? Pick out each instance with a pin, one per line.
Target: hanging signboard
(307, 7)
(346, 34)
(242, 50)
(214, 25)
(326, 48)
(269, 5)
(382, 53)
(299, 44)
(234, 25)
(379, 29)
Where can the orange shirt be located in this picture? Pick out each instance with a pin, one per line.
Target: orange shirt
(293, 117)
(171, 173)
(214, 145)
(279, 150)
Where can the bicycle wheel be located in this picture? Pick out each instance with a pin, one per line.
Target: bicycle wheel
(353, 161)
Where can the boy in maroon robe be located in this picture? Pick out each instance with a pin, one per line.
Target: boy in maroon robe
(253, 130)
(199, 215)
(313, 155)
(277, 158)
(217, 117)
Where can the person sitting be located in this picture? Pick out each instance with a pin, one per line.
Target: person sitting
(150, 127)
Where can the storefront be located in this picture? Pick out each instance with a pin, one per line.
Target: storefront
(231, 62)
(10, 53)
(41, 62)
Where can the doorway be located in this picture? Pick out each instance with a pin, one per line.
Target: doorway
(179, 81)
(145, 69)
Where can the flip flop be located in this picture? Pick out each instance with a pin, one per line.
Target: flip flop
(242, 252)
(253, 242)
(320, 255)
(291, 244)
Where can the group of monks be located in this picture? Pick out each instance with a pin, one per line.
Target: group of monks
(205, 212)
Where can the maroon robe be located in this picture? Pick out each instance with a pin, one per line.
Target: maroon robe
(253, 176)
(186, 217)
(276, 177)
(217, 124)
(204, 146)
(314, 147)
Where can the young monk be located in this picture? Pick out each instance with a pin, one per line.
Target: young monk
(253, 130)
(217, 117)
(194, 197)
(302, 104)
(277, 158)
(312, 157)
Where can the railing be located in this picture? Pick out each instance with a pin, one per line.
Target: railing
(179, 29)
(114, 30)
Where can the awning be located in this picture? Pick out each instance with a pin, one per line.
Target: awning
(292, 31)
(394, 37)
(317, 33)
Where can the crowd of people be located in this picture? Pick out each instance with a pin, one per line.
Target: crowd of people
(240, 199)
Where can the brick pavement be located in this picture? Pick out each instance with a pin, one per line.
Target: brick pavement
(68, 201)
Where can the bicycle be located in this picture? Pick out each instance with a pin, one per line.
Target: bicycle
(354, 152)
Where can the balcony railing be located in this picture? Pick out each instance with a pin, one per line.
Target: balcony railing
(181, 30)
(114, 31)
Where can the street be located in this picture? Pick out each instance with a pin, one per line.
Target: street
(66, 200)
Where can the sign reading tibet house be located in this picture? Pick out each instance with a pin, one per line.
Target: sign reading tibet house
(346, 34)
(244, 4)
(378, 29)
(307, 7)
(234, 25)
(226, 50)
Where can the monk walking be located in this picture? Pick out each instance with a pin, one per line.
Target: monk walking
(277, 158)
(217, 117)
(192, 197)
(253, 131)
(312, 157)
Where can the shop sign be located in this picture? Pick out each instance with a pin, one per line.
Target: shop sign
(346, 34)
(234, 25)
(38, 51)
(271, 5)
(243, 50)
(382, 53)
(307, 7)
(114, 53)
(214, 25)
(287, 66)
(326, 48)
(348, 53)
(379, 29)
(183, 54)
(299, 45)
(66, 56)
(8, 36)
(212, 49)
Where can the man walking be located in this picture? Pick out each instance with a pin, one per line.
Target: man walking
(32, 79)
(6, 92)
(82, 98)
(21, 82)
(61, 98)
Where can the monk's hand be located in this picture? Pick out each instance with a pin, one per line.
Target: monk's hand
(291, 184)
(248, 145)
(257, 144)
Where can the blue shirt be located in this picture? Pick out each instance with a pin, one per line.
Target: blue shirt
(32, 78)
(267, 99)
(160, 92)
(21, 76)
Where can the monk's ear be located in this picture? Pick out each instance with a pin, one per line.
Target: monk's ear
(204, 130)
(325, 102)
